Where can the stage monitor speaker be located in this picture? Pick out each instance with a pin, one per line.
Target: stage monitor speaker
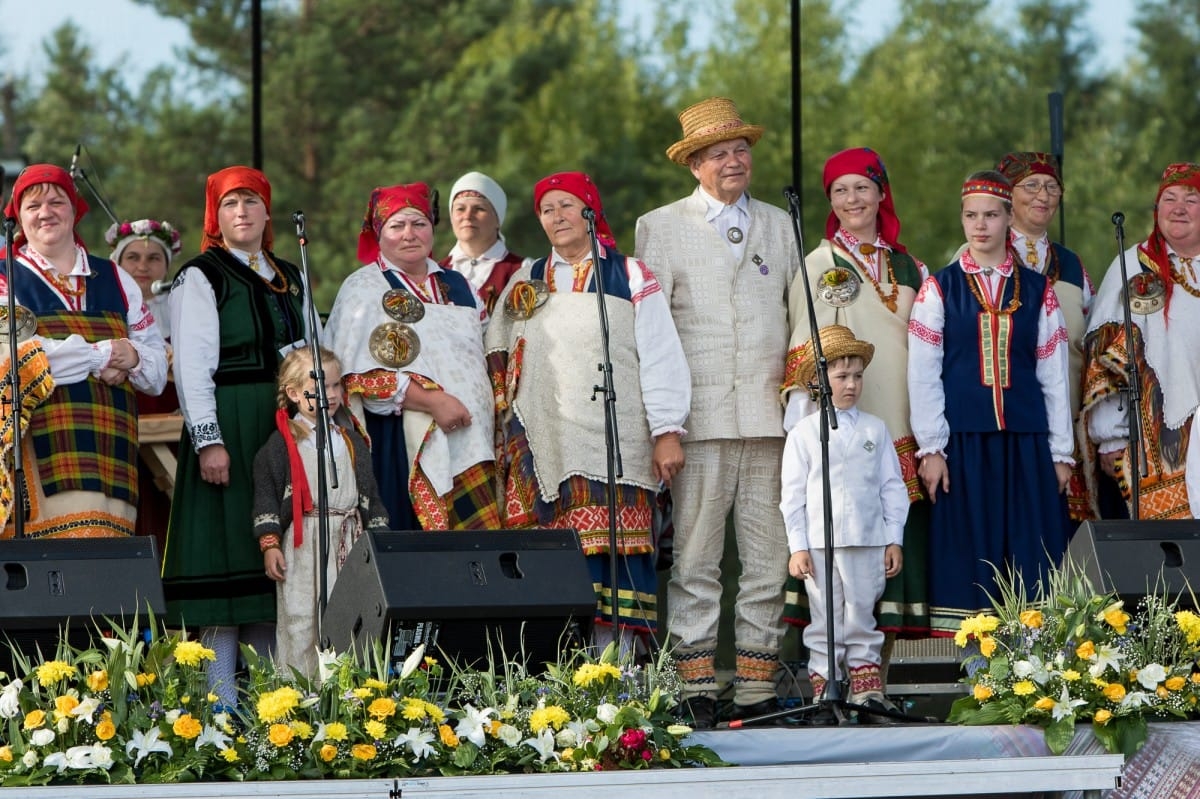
(45, 582)
(527, 593)
(1131, 558)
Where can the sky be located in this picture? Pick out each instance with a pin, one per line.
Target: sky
(114, 28)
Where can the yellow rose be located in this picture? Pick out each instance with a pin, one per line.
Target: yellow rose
(1175, 683)
(987, 645)
(447, 735)
(105, 729)
(328, 752)
(335, 731)
(280, 734)
(1031, 618)
(97, 680)
(1103, 716)
(6, 754)
(186, 727)
(982, 693)
(381, 708)
(1086, 650)
(146, 678)
(1024, 688)
(1117, 619)
(1045, 704)
(63, 705)
(494, 727)
(1161, 692)
(363, 752)
(1114, 692)
(376, 729)
(35, 719)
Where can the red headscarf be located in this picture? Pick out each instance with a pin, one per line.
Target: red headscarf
(1018, 166)
(221, 183)
(385, 202)
(35, 175)
(582, 186)
(1182, 173)
(866, 162)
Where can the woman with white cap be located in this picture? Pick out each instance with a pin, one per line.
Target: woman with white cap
(477, 206)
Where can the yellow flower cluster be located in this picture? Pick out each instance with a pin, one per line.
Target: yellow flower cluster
(336, 731)
(1115, 616)
(52, 671)
(1189, 622)
(977, 627)
(552, 716)
(382, 708)
(278, 704)
(190, 653)
(590, 673)
(97, 680)
(415, 709)
(186, 727)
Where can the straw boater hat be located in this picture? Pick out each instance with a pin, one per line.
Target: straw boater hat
(708, 122)
(836, 342)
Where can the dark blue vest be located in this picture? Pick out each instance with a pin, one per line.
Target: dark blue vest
(616, 278)
(457, 288)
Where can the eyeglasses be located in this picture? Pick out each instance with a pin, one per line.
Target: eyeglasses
(1034, 187)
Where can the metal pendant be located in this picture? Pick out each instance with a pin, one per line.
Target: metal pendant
(26, 323)
(525, 298)
(735, 235)
(394, 344)
(1147, 293)
(838, 286)
(402, 306)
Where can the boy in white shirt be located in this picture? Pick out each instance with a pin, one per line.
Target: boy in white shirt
(870, 505)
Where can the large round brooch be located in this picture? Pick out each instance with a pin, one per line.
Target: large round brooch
(402, 306)
(1147, 293)
(525, 298)
(735, 235)
(838, 286)
(26, 323)
(394, 344)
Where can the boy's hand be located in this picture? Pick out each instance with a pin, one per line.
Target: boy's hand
(800, 565)
(273, 561)
(893, 560)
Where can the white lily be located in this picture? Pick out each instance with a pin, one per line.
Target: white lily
(1065, 706)
(412, 661)
(544, 744)
(212, 735)
(1135, 699)
(146, 743)
(471, 726)
(327, 661)
(86, 708)
(1106, 656)
(418, 742)
(10, 704)
(58, 760)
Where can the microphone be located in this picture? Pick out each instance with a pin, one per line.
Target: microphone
(588, 214)
(160, 286)
(298, 219)
(74, 171)
(1118, 218)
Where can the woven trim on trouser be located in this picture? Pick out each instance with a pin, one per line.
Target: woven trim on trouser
(697, 667)
(864, 679)
(755, 665)
(818, 684)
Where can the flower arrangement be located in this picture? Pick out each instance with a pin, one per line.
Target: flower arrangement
(144, 228)
(1074, 654)
(136, 709)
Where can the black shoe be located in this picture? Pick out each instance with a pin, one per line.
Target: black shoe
(822, 716)
(875, 708)
(698, 712)
(755, 710)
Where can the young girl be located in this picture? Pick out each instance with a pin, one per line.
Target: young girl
(285, 506)
(987, 382)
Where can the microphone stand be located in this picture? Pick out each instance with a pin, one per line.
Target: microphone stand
(1055, 100)
(831, 698)
(77, 173)
(324, 479)
(1132, 390)
(14, 380)
(612, 441)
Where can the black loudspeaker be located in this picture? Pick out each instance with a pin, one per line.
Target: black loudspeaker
(1132, 558)
(44, 582)
(527, 593)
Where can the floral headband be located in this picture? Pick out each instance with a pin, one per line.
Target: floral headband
(992, 188)
(119, 236)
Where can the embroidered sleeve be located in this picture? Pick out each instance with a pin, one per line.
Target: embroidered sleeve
(927, 394)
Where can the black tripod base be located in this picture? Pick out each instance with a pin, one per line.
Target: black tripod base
(831, 713)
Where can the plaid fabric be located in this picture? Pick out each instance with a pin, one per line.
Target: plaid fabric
(36, 385)
(470, 505)
(85, 434)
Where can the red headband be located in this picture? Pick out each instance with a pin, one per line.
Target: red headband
(582, 186)
(38, 174)
(991, 188)
(866, 162)
(385, 202)
(221, 183)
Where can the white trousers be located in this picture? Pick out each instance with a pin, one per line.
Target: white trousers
(858, 578)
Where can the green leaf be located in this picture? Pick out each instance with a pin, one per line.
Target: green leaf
(1059, 734)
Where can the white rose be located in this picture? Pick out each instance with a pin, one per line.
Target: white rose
(172, 716)
(566, 738)
(1022, 669)
(509, 734)
(41, 737)
(1151, 675)
(63, 724)
(29, 759)
(607, 712)
(102, 756)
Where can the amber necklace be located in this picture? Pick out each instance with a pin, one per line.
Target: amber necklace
(283, 281)
(977, 290)
(63, 283)
(1178, 277)
(1053, 267)
(886, 257)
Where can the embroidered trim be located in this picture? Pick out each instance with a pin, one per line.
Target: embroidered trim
(205, 434)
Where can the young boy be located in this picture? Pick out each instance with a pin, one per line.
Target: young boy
(870, 505)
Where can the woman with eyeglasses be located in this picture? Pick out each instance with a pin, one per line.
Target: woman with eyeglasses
(1037, 193)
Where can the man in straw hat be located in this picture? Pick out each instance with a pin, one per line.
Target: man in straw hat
(869, 508)
(725, 261)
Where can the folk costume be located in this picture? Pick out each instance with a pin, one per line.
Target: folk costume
(236, 314)
(868, 287)
(729, 302)
(542, 352)
(1065, 271)
(869, 505)
(285, 479)
(987, 370)
(489, 272)
(82, 447)
(1165, 293)
(429, 478)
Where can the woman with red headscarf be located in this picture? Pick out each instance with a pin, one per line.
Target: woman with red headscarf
(100, 343)
(543, 349)
(1164, 282)
(410, 336)
(863, 278)
(235, 313)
